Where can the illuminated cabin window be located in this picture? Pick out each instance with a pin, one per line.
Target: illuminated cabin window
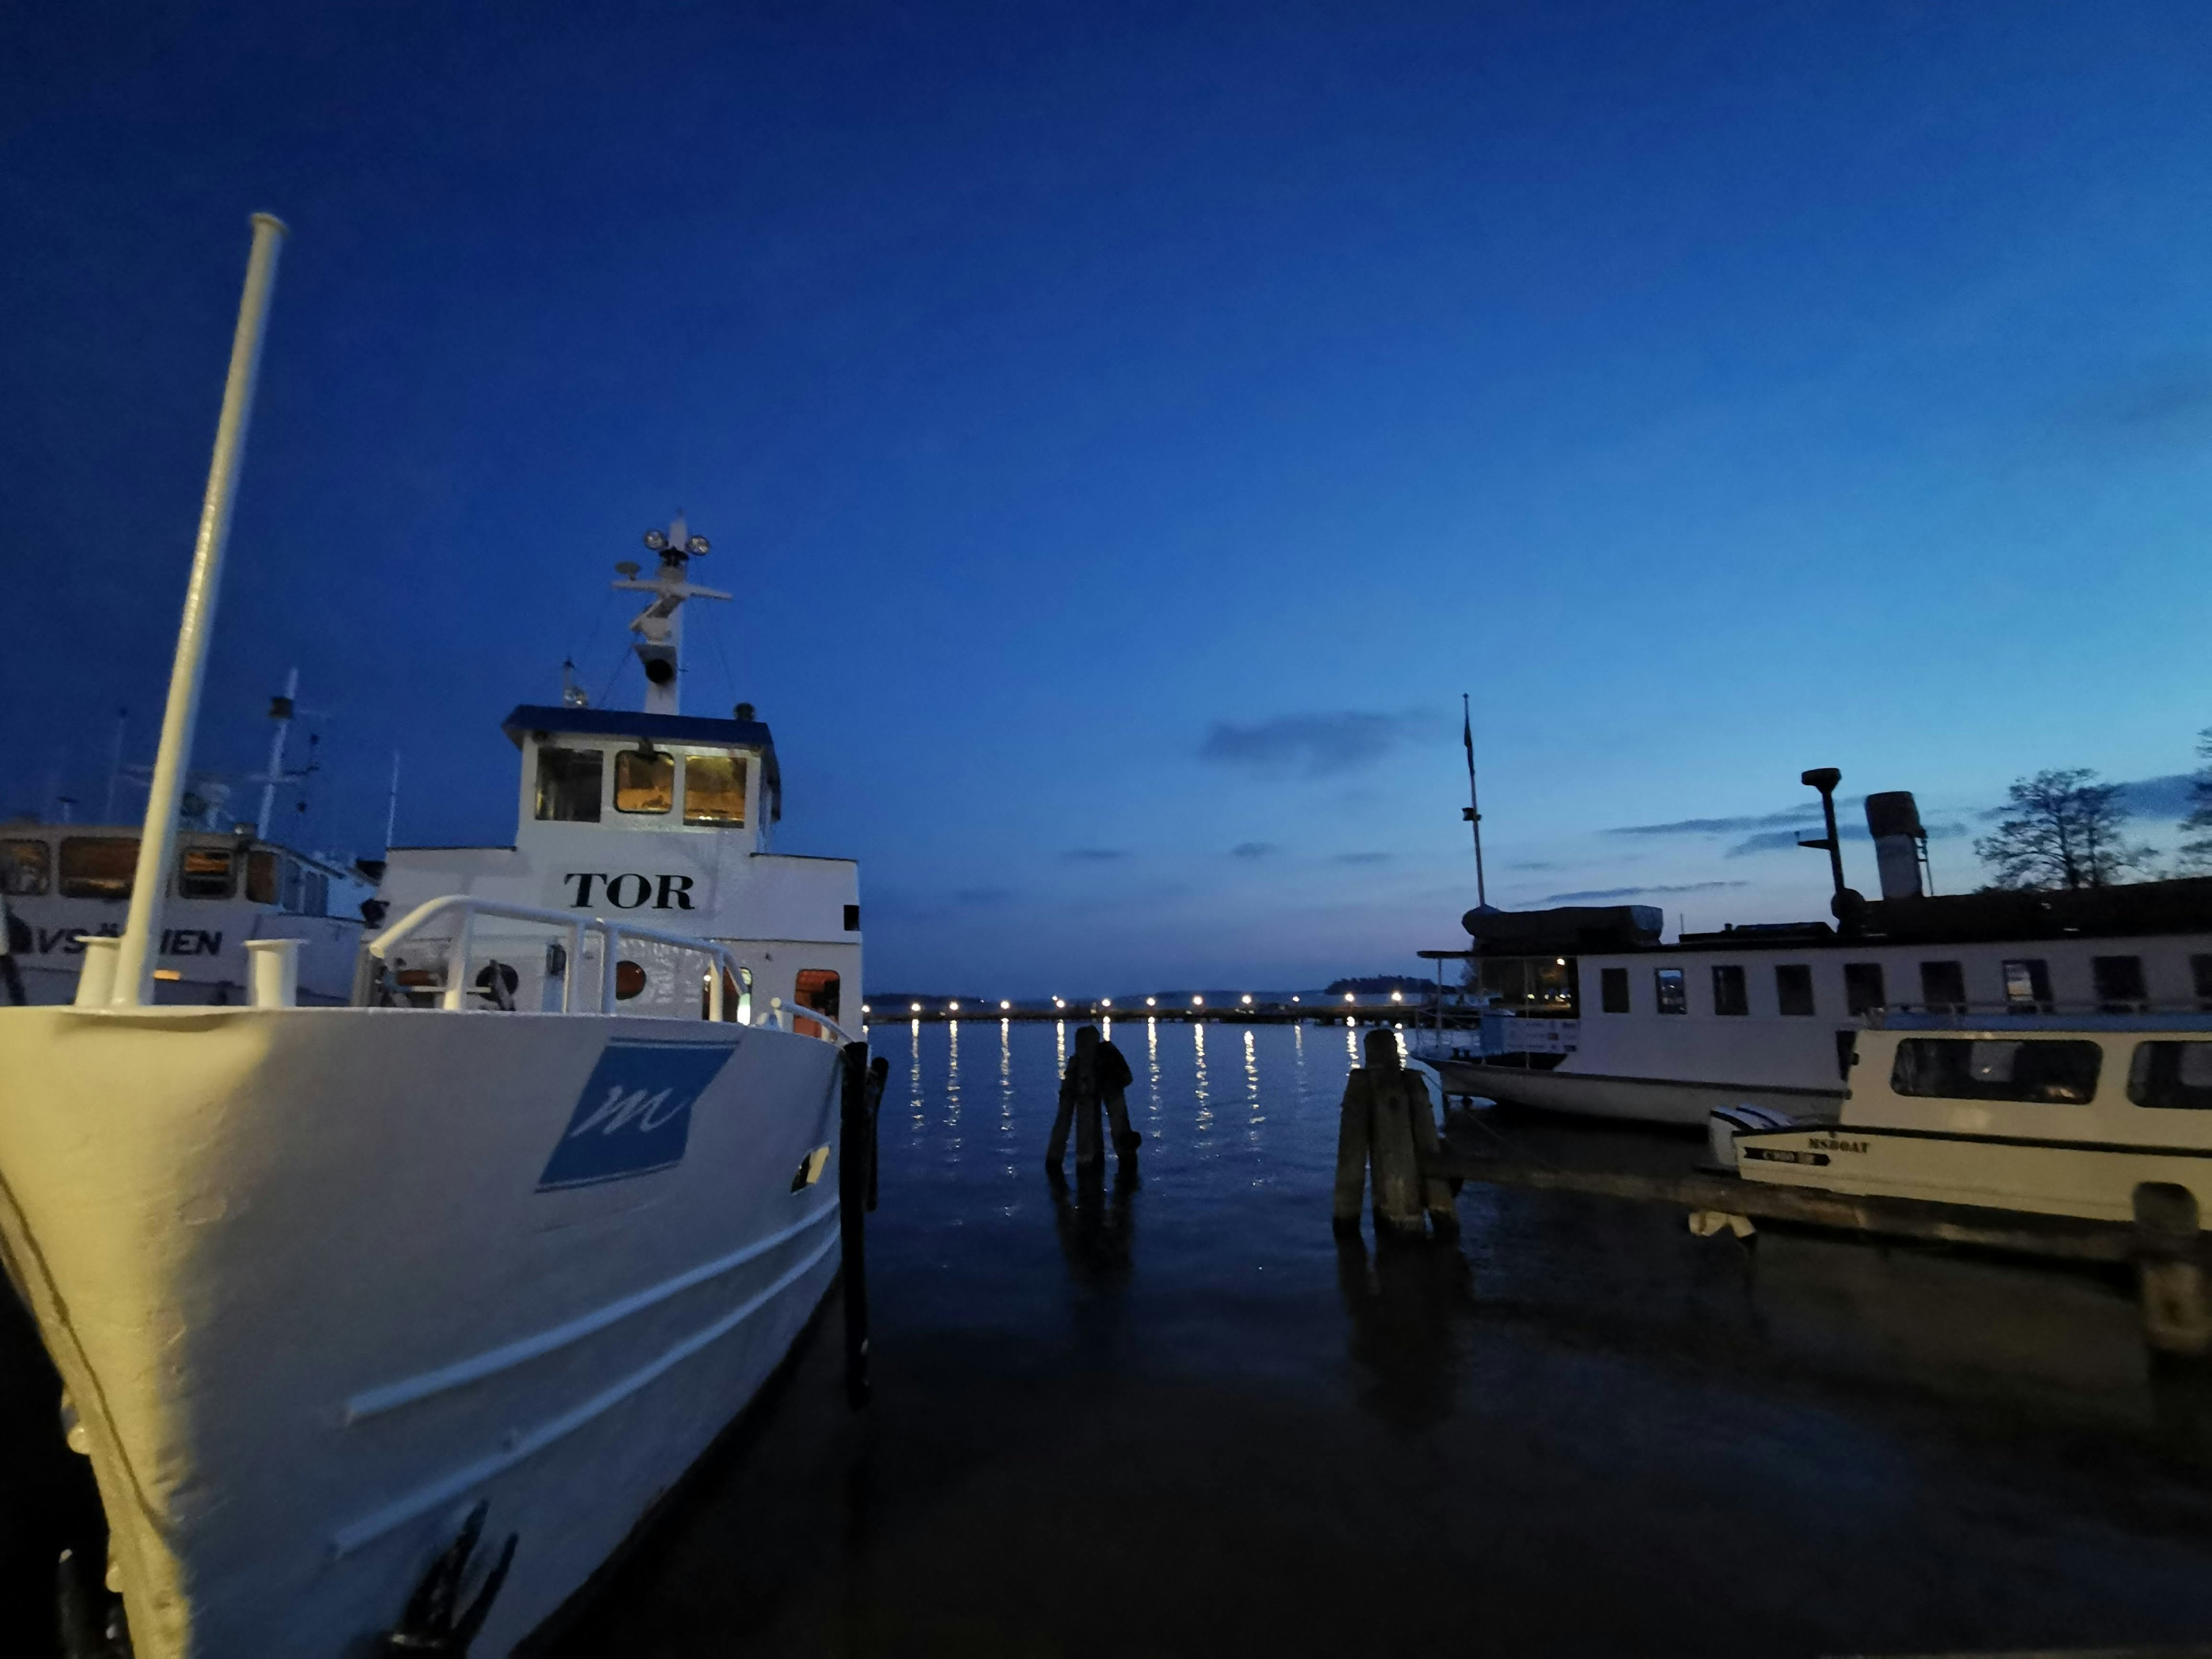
(818, 989)
(568, 785)
(23, 868)
(99, 867)
(715, 790)
(645, 781)
(205, 872)
(261, 871)
(1670, 990)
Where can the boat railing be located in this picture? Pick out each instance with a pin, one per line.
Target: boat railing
(462, 910)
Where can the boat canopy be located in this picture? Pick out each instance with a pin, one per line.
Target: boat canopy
(563, 722)
(1564, 930)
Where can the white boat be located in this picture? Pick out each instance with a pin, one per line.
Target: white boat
(514, 1236)
(2047, 1116)
(229, 884)
(1582, 1010)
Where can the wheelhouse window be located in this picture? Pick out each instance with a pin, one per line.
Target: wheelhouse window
(206, 872)
(2171, 1077)
(261, 872)
(816, 988)
(645, 781)
(568, 781)
(24, 871)
(1943, 985)
(715, 790)
(1669, 990)
(99, 866)
(2062, 1072)
(2119, 982)
(1613, 989)
(1793, 987)
(1729, 994)
(2027, 985)
(1863, 989)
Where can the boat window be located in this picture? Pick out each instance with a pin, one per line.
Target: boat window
(1943, 985)
(568, 785)
(1673, 998)
(2200, 973)
(2027, 985)
(715, 790)
(261, 877)
(645, 781)
(23, 868)
(1793, 987)
(2171, 1077)
(1862, 987)
(99, 867)
(2063, 1072)
(816, 988)
(1729, 996)
(314, 893)
(2119, 981)
(630, 979)
(205, 872)
(1612, 990)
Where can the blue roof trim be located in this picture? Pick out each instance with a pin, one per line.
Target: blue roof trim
(562, 721)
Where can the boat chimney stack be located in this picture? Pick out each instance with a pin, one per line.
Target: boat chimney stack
(1900, 845)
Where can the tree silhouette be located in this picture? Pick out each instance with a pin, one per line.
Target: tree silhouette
(2065, 830)
(2197, 852)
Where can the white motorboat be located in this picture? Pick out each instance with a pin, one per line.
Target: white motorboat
(2052, 1116)
(511, 1236)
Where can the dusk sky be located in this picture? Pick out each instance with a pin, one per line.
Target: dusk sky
(1129, 428)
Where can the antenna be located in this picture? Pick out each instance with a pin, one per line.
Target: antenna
(1473, 813)
(660, 626)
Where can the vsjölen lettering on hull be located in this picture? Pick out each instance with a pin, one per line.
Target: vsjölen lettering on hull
(634, 1115)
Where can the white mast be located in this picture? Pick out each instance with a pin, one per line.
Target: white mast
(280, 709)
(157, 843)
(660, 626)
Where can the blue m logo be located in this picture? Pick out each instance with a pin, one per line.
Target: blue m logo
(635, 1114)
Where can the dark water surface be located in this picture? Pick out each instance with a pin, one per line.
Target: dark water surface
(1176, 1418)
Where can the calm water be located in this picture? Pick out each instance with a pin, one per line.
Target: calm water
(1175, 1417)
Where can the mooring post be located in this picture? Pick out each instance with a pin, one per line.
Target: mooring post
(856, 1176)
(1436, 1189)
(1391, 1148)
(1353, 1133)
(2170, 1270)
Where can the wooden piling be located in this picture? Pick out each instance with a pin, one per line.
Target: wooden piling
(1353, 1131)
(1391, 1149)
(2169, 1271)
(855, 1179)
(1436, 1188)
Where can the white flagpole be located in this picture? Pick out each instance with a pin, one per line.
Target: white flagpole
(142, 929)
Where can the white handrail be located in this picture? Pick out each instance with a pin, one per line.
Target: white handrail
(611, 933)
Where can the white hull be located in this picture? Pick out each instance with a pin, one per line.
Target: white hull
(315, 1286)
(2096, 1183)
(1637, 1099)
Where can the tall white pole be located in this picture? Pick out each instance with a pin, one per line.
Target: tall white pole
(392, 808)
(141, 928)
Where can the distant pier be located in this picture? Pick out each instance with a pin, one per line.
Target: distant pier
(1179, 1012)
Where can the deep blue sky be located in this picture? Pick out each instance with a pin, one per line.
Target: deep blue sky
(1129, 428)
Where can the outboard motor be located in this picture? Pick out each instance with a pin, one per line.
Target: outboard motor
(1899, 843)
(1724, 1123)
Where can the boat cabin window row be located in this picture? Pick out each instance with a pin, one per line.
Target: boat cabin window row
(105, 866)
(2023, 986)
(2162, 1075)
(577, 784)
